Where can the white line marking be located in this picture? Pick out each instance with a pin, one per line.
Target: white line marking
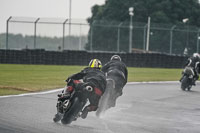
(158, 82)
(154, 82)
(52, 91)
(35, 93)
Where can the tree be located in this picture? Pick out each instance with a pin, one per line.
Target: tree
(161, 11)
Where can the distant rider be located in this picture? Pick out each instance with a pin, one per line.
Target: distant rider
(194, 63)
(116, 70)
(96, 77)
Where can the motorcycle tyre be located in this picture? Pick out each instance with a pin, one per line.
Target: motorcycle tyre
(185, 83)
(71, 114)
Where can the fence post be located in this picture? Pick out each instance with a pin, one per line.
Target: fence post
(171, 39)
(118, 35)
(35, 28)
(70, 12)
(7, 30)
(198, 38)
(131, 14)
(148, 32)
(144, 37)
(80, 41)
(91, 35)
(63, 43)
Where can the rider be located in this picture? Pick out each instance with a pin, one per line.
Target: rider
(96, 77)
(116, 70)
(194, 62)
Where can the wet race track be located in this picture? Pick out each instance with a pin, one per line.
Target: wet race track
(143, 108)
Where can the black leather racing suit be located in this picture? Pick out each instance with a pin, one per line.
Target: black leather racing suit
(117, 71)
(195, 64)
(98, 79)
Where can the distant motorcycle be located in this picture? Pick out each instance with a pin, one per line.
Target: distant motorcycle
(187, 78)
(70, 109)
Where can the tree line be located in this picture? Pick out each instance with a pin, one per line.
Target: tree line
(171, 12)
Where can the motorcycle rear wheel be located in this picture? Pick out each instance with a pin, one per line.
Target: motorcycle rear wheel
(185, 83)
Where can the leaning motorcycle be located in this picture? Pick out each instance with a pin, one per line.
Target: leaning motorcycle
(187, 78)
(69, 109)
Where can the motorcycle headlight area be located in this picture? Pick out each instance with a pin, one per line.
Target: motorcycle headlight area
(89, 88)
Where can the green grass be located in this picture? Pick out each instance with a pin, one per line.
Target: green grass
(10, 91)
(153, 74)
(35, 77)
(30, 78)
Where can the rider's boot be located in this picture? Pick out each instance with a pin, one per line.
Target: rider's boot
(84, 113)
(87, 109)
(57, 117)
(181, 79)
(193, 82)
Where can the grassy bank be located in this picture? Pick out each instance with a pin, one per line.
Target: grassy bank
(153, 74)
(29, 78)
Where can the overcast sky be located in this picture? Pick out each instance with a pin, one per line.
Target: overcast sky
(81, 9)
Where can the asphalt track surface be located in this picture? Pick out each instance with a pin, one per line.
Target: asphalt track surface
(143, 108)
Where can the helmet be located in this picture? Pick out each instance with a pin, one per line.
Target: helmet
(95, 63)
(196, 56)
(116, 57)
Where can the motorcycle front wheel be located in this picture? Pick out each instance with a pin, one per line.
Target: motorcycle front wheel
(73, 111)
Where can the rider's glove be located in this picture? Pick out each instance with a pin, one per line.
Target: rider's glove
(68, 80)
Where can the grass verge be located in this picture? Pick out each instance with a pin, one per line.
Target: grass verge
(15, 79)
(10, 91)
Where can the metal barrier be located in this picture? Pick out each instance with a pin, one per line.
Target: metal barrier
(68, 57)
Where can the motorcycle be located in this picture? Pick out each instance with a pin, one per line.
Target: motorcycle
(187, 78)
(69, 109)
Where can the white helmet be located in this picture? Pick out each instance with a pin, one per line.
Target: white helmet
(196, 55)
(116, 57)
